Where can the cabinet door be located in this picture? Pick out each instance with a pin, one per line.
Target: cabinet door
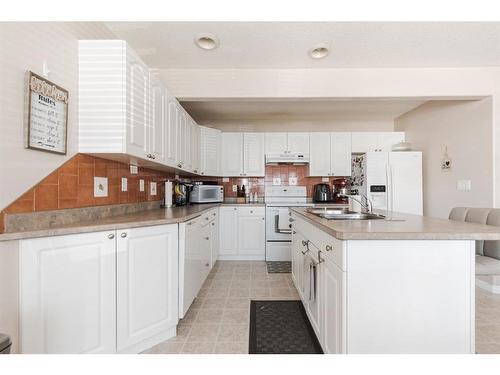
(387, 139)
(405, 182)
(228, 233)
(172, 132)
(332, 308)
(158, 121)
(210, 151)
(195, 147)
(147, 283)
(232, 154)
(67, 294)
(206, 253)
(187, 144)
(313, 304)
(340, 151)
(298, 261)
(182, 138)
(252, 236)
(214, 241)
(319, 164)
(253, 154)
(298, 143)
(276, 143)
(138, 106)
(364, 142)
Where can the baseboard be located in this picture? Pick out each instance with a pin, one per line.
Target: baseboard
(495, 289)
(242, 257)
(150, 342)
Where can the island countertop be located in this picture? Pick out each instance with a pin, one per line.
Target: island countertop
(401, 227)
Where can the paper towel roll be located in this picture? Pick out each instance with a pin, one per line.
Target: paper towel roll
(168, 194)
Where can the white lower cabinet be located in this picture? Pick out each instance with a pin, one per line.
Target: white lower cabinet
(100, 292)
(67, 294)
(147, 286)
(242, 233)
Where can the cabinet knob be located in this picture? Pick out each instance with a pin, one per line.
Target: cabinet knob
(293, 232)
(328, 247)
(123, 235)
(251, 211)
(179, 165)
(153, 156)
(207, 238)
(213, 224)
(291, 220)
(214, 214)
(235, 208)
(207, 218)
(111, 236)
(207, 264)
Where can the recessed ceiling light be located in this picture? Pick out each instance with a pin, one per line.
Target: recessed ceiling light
(206, 41)
(319, 51)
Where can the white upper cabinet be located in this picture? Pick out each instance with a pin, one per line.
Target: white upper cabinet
(232, 154)
(253, 154)
(287, 143)
(276, 143)
(298, 143)
(211, 146)
(158, 120)
(375, 141)
(172, 131)
(340, 154)
(243, 154)
(330, 154)
(195, 147)
(319, 163)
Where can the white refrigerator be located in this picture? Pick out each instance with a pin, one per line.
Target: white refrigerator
(393, 181)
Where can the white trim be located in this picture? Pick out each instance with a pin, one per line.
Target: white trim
(242, 257)
(150, 342)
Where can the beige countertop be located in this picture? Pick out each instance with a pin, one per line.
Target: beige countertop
(404, 227)
(137, 219)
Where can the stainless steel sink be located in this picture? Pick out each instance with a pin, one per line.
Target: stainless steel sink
(343, 214)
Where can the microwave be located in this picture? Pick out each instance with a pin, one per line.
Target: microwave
(207, 194)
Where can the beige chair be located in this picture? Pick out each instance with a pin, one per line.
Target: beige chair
(479, 216)
(458, 213)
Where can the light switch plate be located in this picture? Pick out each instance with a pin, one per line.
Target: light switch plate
(141, 185)
(100, 186)
(225, 179)
(276, 181)
(133, 169)
(152, 188)
(124, 184)
(292, 181)
(464, 185)
(235, 189)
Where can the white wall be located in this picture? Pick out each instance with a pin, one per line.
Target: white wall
(302, 126)
(23, 47)
(465, 127)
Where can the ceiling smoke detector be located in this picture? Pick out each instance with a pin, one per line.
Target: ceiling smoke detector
(319, 51)
(207, 41)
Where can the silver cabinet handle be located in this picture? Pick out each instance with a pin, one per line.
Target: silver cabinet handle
(328, 248)
(320, 260)
(179, 165)
(251, 211)
(123, 235)
(111, 236)
(207, 238)
(294, 232)
(291, 220)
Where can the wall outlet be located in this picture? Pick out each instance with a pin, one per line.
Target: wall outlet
(276, 181)
(141, 185)
(325, 179)
(152, 188)
(225, 179)
(124, 184)
(292, 181)
(464, 185)
(235, 189)
(134, 169)
(100, 186)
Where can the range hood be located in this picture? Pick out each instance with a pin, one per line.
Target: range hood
(287, 158)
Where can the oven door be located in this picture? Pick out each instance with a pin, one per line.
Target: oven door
(278, 224)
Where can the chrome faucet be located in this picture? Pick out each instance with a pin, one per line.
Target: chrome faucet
(367, 206)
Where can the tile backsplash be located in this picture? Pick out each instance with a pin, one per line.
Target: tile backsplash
(72, 185)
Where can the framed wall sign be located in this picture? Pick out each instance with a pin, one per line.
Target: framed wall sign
(47, 115)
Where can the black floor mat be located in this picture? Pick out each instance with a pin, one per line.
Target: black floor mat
(279, 267)
(281, 327)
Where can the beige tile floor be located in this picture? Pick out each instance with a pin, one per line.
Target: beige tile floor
(218, 319)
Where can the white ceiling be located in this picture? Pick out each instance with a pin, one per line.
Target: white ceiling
(316, 110)
(286, 45)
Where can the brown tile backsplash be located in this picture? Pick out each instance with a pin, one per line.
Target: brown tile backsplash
(72, 185)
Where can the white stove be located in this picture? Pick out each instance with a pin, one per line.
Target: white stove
(278, 227)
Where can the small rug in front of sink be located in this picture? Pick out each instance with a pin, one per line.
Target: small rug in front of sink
(281, 327)
(279, 267)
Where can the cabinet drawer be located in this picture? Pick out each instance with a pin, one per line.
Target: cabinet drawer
(330, 247)
(251, 211)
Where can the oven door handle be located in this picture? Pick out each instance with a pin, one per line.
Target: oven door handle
(277, 227)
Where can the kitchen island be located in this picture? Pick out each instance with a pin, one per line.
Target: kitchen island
(404, 285)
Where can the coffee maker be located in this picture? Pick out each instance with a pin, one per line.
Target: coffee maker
(322, 193)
